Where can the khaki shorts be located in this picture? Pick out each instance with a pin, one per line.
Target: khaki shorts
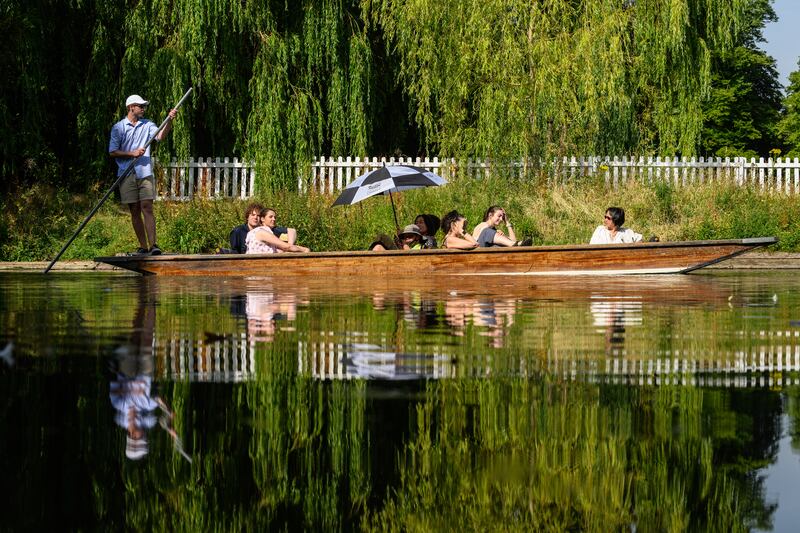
(133, 190)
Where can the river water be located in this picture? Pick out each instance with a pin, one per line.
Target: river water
(459, 403)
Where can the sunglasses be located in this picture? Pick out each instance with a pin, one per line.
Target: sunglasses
(607, 217)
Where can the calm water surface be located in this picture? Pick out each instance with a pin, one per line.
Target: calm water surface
(473, 404)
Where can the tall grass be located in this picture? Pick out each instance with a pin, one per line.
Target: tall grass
(35, 223)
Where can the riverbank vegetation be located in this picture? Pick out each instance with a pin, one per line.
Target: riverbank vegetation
(35, 224)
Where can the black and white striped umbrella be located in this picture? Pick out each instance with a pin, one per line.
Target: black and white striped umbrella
(387, 180)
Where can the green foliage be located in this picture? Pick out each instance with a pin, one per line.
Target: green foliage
(742, 112)
(789, 125)
(195, 227)
(280, 82)
(511, 78)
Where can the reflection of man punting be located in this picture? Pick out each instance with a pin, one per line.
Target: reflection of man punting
(131, 391)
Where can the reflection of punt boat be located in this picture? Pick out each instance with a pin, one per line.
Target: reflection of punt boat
(581, 259)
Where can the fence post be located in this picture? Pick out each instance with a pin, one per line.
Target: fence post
(216, 176)
(740, 170)
(179, 192)
(252, 177)
(243, 180)
(235, 177)
(226, 175)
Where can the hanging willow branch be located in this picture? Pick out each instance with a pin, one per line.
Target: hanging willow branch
(511, 78)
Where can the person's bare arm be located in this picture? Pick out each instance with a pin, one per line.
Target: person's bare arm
(163, 133)
(275, 242)
(463, 242)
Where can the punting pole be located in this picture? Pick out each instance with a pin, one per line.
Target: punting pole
(115, 185)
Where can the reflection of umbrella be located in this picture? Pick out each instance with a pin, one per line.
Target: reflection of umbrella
(387, 180)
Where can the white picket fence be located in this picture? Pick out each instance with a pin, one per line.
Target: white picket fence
(232, 178)
(209, 178)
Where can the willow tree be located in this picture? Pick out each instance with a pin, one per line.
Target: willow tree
(275, 84)
(515, 78)
(274, 81)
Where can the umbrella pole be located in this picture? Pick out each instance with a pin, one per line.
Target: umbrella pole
(394, 212)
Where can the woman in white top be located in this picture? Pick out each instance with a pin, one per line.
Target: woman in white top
(261, 240)
(612, 232)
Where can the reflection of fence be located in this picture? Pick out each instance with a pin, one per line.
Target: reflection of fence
(737, 369)
(226, 360)
(328, 360)
(776, 363)
(231, 178)
(763, 365)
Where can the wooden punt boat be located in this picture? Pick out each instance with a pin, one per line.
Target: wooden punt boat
(580, 259)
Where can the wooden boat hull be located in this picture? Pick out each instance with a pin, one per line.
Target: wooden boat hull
(582, 259)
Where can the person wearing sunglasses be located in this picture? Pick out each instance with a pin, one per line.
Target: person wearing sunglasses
(612, 231)
(137, 190)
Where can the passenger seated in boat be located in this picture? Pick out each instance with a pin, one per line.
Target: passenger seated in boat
(382, 243)
(261, 239)
(612, 232)
(454, 237)
(428, 226)
(410, 238)
(252, 218)
(285, 234)
(487, 233)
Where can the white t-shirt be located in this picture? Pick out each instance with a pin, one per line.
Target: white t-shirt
(603, 236)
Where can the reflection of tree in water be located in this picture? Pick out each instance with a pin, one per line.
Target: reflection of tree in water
(747, 443)
(793, 412)
(570, 457)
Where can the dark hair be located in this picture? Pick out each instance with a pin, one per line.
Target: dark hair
(432, 223)
(617, 215)
(491, 211)
(449, 219)
(265, 210)
(252, 206)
